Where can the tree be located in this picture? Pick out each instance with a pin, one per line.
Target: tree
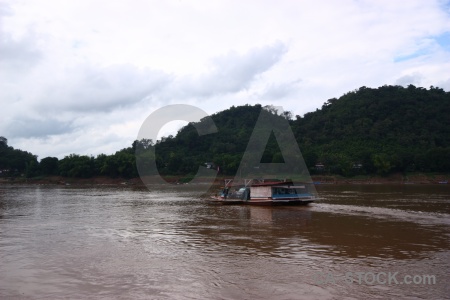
(77, 166)
(49, 166)
(382, 163)
(32, 168)
(3, 142)
(382, 130)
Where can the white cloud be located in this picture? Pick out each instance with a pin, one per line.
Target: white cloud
(81, 76)
(230, 73)
(445, 84)
(279, 91)
(90, 89)
(406, 80)
(28, 128)
(17, 54)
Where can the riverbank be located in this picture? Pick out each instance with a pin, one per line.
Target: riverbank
(67, 181)
(414, 178)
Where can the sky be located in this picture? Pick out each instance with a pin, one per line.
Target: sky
(81, 76)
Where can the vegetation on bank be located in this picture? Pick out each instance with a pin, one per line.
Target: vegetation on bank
(380, 131)
(18, 163)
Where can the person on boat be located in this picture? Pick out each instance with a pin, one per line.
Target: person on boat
(225, 192)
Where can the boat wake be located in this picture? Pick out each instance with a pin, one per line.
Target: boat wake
(430, 218)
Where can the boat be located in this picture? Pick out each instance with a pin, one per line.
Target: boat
(266, 192)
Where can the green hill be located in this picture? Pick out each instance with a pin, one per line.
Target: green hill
(187, 150)
(383, 130)
(387, 129)
(366, 131)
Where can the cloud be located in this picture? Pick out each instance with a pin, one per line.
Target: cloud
(445, 84)
(20, 53)
(84, 89)
(17, 53)
(413, 79)
(275, 92)
(82, 94)
(27, 128)
(232, 73)
(74, 80)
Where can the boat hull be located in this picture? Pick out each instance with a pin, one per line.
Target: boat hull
(278, 202)
(231, 201)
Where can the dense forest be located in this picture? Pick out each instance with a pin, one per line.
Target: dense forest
(366, 131)
(389, 129)
(15, 163)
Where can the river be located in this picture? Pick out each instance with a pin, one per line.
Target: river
(357, 242)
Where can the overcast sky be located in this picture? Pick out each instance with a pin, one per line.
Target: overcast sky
(81, 76)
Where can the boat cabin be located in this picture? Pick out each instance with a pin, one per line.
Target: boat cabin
(270, 192)
(278, 192)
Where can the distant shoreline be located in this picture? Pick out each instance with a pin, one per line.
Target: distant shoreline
(419, 178)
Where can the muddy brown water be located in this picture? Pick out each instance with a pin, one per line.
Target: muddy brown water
(357, 242)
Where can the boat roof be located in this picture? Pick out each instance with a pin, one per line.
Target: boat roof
(273, 183)
(265, 182)
(279, 186)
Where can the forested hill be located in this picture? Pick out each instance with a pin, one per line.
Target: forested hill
(387, 129)
(366, 131)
